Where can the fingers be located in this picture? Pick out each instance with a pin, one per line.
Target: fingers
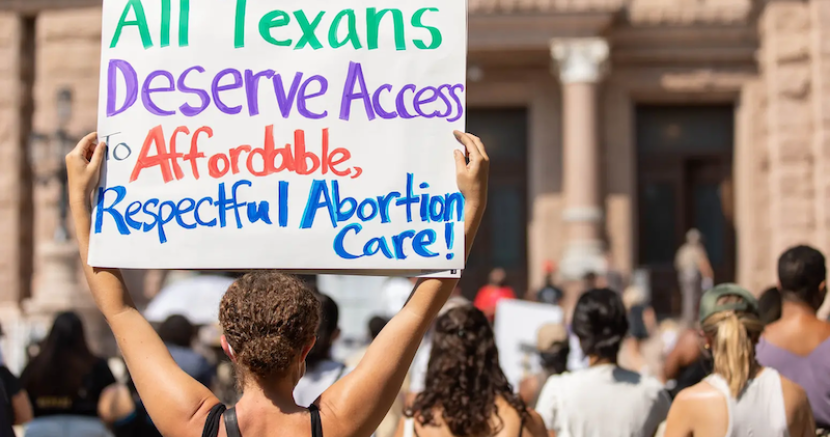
(460, 162)
(84, 144)
(98, 156)
(480, 146)
(468, 142)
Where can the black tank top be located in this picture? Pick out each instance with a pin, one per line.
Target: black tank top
(219, 410)
(692, 374)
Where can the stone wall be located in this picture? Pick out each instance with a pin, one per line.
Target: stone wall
(785, 63)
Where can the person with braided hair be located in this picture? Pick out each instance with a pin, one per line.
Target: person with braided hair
(604, 399)
(466, 394)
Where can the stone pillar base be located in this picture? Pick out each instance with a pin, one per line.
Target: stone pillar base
(581, 258)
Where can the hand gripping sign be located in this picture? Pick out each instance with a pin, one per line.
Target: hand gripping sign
(291, 134)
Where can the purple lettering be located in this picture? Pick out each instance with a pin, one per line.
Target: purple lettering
(419, 100)
(458, 102)
(376, 103)
(216, 88)
(399, 102)
(187, 110)
(448, 89)
(286, 101)
(303, 97)
(131, 79)
(252, 89)
(147, 90)
(355, 76)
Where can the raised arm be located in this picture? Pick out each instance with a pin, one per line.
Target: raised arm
(356, 404)
(176, 402)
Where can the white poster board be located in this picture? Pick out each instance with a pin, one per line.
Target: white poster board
(516, 327)
(291, 134)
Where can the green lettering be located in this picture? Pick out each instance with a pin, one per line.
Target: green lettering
(309, 29)
(184, 23)
(165, 23)
(239, 27)
(437, 39)
(352, 36)
(271, 20)
(373, 20)
(140, 21)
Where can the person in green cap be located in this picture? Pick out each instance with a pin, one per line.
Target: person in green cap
(740, 397)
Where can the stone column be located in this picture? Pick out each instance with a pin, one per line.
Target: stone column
(581, 65)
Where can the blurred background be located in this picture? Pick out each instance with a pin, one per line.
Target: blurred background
(615, 127)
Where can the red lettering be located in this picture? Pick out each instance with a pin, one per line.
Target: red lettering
(266, 152)
(177, 169)
(213, 165)
(301, 156)
(235, 152)
(194, 149)
(287, 163)
(161, 159)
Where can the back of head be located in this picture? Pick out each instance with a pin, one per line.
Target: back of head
(553, 345)
(177, 330)
(464, 378)
(769, 305)
(601, 323)
(693, 236)
(802, 273)
(64, 359)
(376, 324)
(498, 277)
(730, 321)
(267, 319)
(326, 333)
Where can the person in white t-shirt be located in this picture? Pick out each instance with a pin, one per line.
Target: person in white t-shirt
(321, 370)
(603, 400)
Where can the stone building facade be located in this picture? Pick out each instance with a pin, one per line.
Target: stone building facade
(616, 125)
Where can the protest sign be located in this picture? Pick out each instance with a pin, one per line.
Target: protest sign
(291, 134)
(516, 327)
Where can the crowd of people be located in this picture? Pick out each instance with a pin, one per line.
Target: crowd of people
(738, 366)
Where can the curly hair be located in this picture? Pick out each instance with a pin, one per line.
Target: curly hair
(464, 379)
(267, 318)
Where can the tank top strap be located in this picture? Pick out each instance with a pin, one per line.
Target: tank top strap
(720, 384)
(409, 427)
(316, 423)
(211, 428)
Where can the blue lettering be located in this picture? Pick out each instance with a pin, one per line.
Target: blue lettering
(120, 194)
(350, 201)
(399, 240)
(318, 188)
(377, 244)
(132, 210)
(338, 241)
(410, 197)
(198, 218)
(423, 239)
(181, 211)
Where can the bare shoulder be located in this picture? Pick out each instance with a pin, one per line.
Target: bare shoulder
(535, 424)
(699, 394)
(794, 395)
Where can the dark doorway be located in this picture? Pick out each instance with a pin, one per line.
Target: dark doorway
(502, 238)
(684, 181)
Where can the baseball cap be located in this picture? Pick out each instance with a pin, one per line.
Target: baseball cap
(709, 302)
(549, 335)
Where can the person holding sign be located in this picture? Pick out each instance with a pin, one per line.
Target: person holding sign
(269, 322)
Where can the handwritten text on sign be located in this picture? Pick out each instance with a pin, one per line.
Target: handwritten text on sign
(295, 134)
